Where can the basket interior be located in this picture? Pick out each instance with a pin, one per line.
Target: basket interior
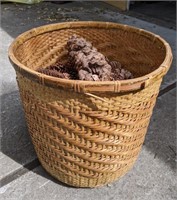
(139, 53)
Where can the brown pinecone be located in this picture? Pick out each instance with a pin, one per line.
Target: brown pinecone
(56, 70)
(70, 69)
(58, 66)
(86, 63)
(118, 73)
(90, 64)
(55, 73)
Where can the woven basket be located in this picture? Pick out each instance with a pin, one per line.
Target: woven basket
(88, 134)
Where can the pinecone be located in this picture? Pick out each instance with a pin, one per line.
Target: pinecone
(118, 73)
(70, 69)
(89, 63)
(86, 63)
(56, 70)
(55, 73)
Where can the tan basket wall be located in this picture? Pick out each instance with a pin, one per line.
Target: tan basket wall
(84, 141)
(88, 134)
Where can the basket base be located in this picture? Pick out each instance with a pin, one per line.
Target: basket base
(84, 182)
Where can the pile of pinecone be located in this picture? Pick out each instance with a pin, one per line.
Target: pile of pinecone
(86, 63)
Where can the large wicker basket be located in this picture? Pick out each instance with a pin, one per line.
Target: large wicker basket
(88, 134)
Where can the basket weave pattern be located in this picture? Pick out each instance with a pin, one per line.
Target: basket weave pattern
(88, 134)
(82, 140)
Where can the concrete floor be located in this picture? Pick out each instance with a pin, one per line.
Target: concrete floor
(159, 12)
(21, 175)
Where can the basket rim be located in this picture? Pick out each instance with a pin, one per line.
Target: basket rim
(90, 86)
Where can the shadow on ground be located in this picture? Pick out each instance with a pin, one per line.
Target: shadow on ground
(15, 138)
(152, 11)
